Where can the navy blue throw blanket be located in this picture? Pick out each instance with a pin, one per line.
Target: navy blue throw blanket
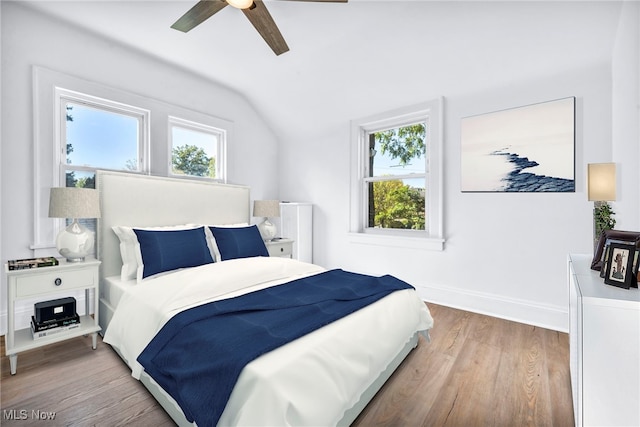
(199, 353)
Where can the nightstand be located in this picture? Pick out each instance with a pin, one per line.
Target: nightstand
(282, 248)
(46, 283)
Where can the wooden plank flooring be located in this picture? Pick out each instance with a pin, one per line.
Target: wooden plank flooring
(476, 371)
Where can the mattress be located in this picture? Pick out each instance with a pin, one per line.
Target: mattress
(313, 380)
(112, 289)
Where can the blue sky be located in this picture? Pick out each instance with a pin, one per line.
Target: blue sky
(100, 138)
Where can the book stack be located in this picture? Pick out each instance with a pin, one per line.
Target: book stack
(49, 328)
(23, 264)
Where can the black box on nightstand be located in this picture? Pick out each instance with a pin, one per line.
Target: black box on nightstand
(54, 310)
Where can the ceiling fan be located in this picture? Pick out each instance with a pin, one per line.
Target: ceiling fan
(254, 10)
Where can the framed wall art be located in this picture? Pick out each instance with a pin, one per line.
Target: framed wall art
(619, 265)
(523, 149)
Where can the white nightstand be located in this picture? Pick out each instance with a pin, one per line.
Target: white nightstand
(47, 283)
(280, 248)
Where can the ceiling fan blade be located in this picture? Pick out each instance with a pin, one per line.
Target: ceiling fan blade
(261, 19)
(199, 13)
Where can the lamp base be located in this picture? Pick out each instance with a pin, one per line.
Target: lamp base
(267, 230)
(75, 242)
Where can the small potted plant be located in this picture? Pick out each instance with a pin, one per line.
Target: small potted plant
(604, 220)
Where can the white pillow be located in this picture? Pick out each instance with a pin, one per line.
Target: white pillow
(130, 248)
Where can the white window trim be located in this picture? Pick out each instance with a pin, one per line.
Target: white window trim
(144, 116)
(222, 134)
(61, 97)
(46, 138)
(432, 237)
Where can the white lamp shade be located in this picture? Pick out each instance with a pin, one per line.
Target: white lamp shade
(74, 202)
(266, 208)
(601, 182)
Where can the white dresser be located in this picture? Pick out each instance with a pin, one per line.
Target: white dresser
(296, 223)
(604, 331)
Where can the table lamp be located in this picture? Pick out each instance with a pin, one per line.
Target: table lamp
(601, 188)
(76, 241)
(267, 209)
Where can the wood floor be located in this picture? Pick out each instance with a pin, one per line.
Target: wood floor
(476, 371)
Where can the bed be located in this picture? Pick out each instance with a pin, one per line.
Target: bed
(325, 377)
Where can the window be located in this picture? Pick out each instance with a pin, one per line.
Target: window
(98, 134)
(197, 150)
(81, 126)
(396, 175)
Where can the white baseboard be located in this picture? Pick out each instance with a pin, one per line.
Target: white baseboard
(552, 317)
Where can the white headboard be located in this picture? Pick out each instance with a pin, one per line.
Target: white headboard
(141, 200)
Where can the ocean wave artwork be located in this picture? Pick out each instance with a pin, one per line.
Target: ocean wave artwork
(523, 149)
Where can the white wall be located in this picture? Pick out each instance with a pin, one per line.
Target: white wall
(625, 113)
(31, 39)
(505, 253)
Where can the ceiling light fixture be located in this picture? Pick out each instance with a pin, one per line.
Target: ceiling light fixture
(241, 4)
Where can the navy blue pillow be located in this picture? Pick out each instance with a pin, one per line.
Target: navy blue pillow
(239, 242)
(172, 249)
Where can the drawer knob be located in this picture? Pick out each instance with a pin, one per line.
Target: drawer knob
(58, 281)
(281, 249)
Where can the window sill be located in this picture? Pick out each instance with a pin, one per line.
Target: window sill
(422, 243)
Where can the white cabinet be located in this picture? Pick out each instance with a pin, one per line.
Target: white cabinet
(604, 331)
(296, 223)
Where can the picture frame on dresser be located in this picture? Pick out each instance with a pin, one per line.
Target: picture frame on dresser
(606, 252)
(635, 270)
(605, 260)
(607, 236)
(619, 265)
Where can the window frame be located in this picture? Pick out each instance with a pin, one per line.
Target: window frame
(431, 237)
(220, 133)
(62, 96)
(369, 129)
(46, 139)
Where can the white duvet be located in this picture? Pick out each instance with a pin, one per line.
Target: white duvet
(310, 381)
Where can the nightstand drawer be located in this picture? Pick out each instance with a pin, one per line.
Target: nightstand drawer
(35, 284)
(279, 249)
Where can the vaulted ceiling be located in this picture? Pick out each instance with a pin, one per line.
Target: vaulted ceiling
(349, 60)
